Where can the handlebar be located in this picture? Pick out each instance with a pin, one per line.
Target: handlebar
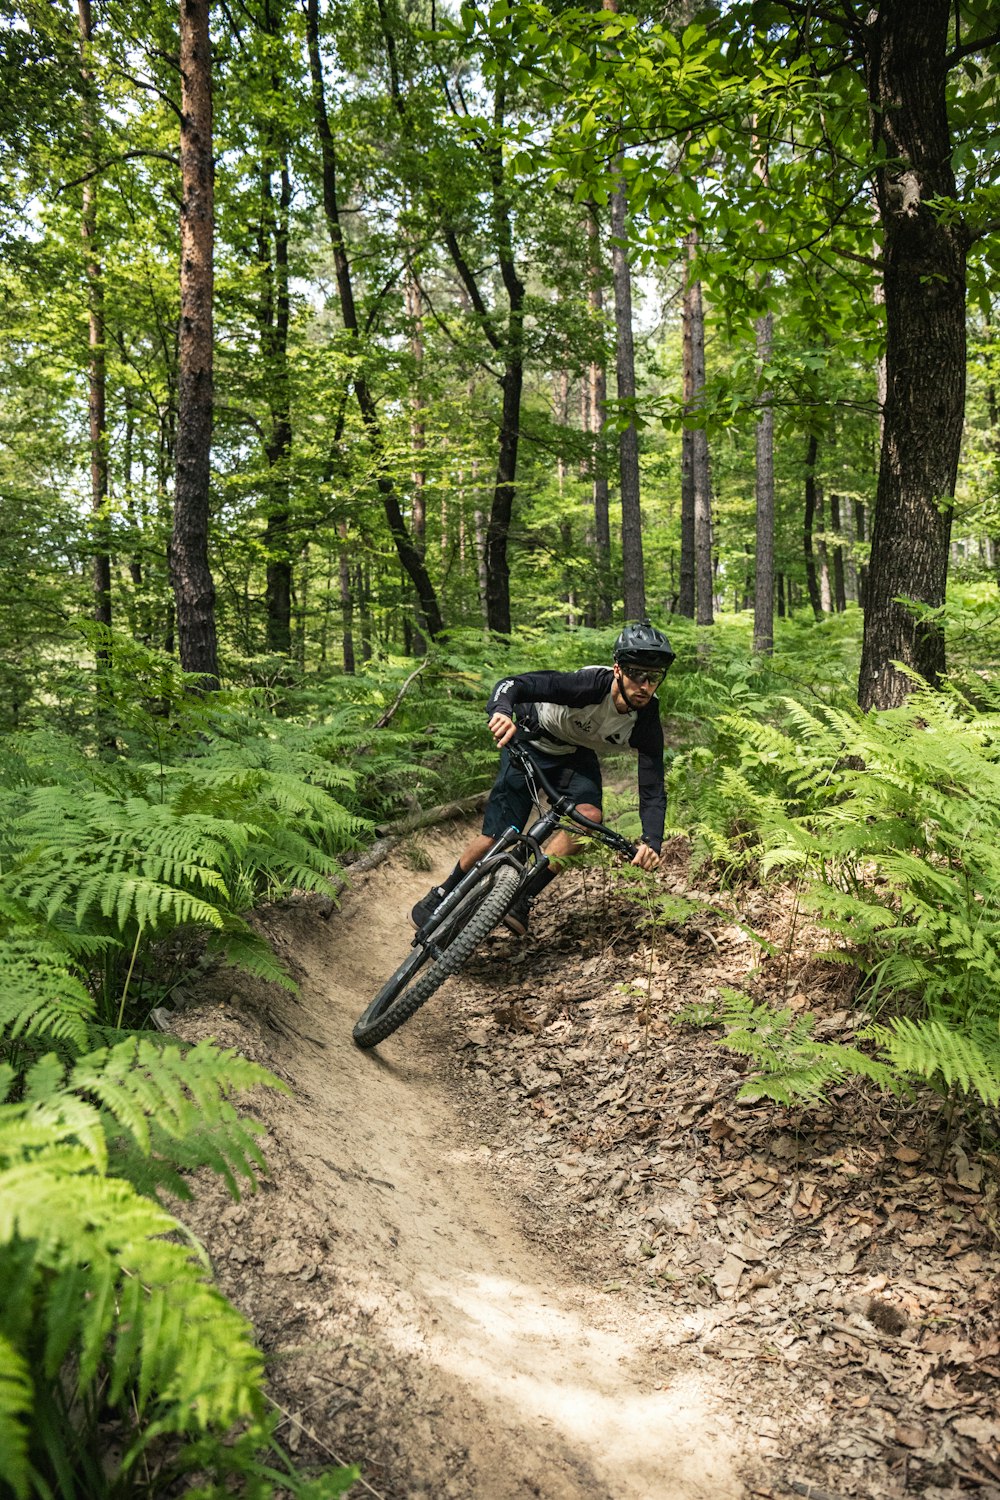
(519, 752)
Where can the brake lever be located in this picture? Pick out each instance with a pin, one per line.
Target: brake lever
(623, 847)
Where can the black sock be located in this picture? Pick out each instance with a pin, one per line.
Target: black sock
(537, 882)
(453, 879)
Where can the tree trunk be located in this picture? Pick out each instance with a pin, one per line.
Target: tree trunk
(809, 521)
(194, 590)
(861, 535)
(273, 256)
(992, 558)
(686, 588)
(693, 342)
(418, 435)
(561, 412)
(850, 556)
(479, 524)
(597, 386)
(825, 596)
(694, 318)
(97, 370)
(763, 612)
(633, 581)
(924, 266)
(497, 570)
(346, 599)
(839, 594)
(498, 527)
(409, 557)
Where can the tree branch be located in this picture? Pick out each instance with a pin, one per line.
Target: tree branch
(965, 49)
(114, 161)
(382, 722)
(471, 286)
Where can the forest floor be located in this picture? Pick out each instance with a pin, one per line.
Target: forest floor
(535, 1246)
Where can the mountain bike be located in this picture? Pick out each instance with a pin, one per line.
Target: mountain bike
(478, 903)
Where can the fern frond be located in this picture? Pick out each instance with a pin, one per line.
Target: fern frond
(934, 1050)
(39, 996)
(15, 1408)
(179, 1100)
(73, 1219)
(792, 1064)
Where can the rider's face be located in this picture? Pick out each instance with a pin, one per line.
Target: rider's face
(640, 688)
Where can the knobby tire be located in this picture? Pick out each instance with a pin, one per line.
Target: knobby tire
(416, 980)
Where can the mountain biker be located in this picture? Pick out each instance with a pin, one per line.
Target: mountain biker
(572, 718)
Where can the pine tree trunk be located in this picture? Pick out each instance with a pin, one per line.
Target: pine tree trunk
(346, 598)
(97, 369)
(418, 436)
(808, 523)
(409, 557)
(691, 311)
(823, 557)
(686, 588)
(850, 556)
(598, 394)
(363, 593)
(497, 569)
(861, 535)
(704, 577)
(273, 257)
(479, 523)
(498, 528)
(839, 594)
(924, 278)
(633, 581)
(194, 590)
(763, 614)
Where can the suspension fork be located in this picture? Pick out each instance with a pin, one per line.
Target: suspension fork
(499, 854)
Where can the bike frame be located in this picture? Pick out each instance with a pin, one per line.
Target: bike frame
(523, 849)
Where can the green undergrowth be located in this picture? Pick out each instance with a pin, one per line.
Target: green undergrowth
(123, 1370)
(140, 813)
(888, 827)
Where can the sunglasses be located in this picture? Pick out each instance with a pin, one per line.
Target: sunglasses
(640, 678)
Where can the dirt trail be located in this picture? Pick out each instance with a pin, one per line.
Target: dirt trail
(411, 1324)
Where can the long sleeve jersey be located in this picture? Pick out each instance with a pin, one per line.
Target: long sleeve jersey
(561, 710)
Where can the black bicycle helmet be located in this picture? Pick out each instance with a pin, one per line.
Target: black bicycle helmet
(642, 645)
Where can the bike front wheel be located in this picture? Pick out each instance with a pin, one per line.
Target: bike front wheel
(416, 979)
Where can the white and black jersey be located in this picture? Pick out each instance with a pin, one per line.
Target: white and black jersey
(562, 710)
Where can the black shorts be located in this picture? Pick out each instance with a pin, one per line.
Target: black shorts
(578, 774)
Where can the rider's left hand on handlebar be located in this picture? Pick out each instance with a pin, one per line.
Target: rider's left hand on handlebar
(646, 858)
(503, 729)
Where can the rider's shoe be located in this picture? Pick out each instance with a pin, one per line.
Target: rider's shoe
(518, 919)
(427, 905)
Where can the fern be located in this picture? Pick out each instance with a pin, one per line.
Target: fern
(15, 1409)
(891, 825)
(792, 1064)
(99, 1280)
(109, 1317)
(106, 1310)
(943, 1054)
(105, 858)
(39, 996)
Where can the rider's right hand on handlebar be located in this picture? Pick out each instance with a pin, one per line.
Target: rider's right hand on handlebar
(646, 858)
(503, 729)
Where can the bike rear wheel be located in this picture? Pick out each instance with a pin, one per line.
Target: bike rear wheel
(422, 973)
